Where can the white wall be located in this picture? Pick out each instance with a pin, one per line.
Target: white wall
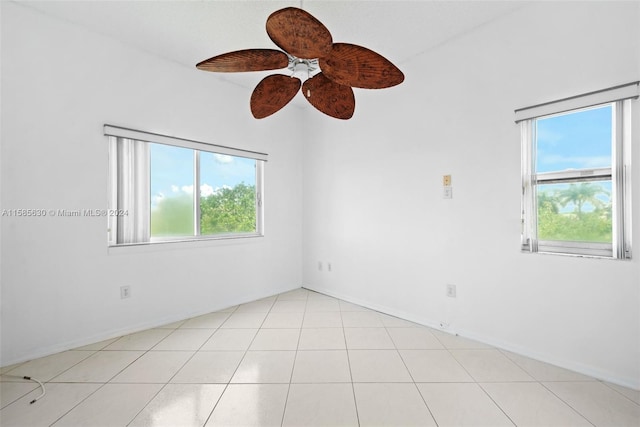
(60, 286)
(373, 202)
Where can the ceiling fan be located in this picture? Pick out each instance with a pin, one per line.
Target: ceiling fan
(306, 42)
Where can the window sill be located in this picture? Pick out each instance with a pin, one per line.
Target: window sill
(171, 245)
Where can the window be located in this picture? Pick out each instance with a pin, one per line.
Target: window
(169, 189)
(576, 175)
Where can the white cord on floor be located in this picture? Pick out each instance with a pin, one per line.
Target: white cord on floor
(41, 385)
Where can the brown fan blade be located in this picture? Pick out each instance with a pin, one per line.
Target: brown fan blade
(299, 33)
(329, 97)
(273, 93)
(357, 66)
(246, 60)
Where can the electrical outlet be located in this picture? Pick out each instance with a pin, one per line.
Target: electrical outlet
(451, 291)
(320, 265)
(125, 292)
(328, 266)
(446, 180)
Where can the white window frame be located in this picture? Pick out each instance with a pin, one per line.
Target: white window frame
(115, 210)
(620, 98)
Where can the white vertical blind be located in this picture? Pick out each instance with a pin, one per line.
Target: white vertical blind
(132, 189)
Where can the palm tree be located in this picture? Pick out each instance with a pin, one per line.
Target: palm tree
(581, 194)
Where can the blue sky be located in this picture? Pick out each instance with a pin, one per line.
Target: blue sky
(172, 171)
(574, 141)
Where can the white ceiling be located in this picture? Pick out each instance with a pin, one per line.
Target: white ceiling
(187, 32)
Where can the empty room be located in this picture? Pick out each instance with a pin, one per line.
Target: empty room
(319, 213)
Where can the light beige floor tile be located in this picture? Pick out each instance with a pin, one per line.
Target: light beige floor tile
(634, 395)
(244, 320)
(597, 403)
(414, 339)
(456, 342)
(112, 405)
(530, 404)
(209, 367)
(45, 368)
(246, 405)
(320, 405)
(322, 339)
(12, 391)
(230, 339)
(289, 306)
(368, 339)
(60, 399)
(185, 340)
(139, 341)
(434, 366)
(265, 367)
(377, 366)
(276, 339)
(322, 319)
(321, 366)
(391, 405)
(490, 366)
(7, 369)
(361, 319)
(462, 405)
(96, 346)
(100, 367)
(154, 367)
(543, 371)
(320, 304)
(206, 321)
(283, 320)
(184, 405)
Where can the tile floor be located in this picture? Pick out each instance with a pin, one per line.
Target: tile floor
(304, 359)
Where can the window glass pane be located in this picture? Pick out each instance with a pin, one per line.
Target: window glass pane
(171, 182)
(227, 194)
(579, 212)
(578, 140)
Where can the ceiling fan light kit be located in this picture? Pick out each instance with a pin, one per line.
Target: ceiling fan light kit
(332, 69)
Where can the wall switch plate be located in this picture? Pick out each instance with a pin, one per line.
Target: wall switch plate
(447, 193)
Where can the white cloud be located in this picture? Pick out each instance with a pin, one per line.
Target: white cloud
(175, 188)
(157, 198)
(222, 158)
(206, 190)
(187, 189)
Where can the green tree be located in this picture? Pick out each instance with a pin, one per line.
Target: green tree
(229, 210)
(173, 216)
(579, 225)
(550, 221)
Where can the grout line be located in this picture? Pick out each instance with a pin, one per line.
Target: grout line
(565, 402)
